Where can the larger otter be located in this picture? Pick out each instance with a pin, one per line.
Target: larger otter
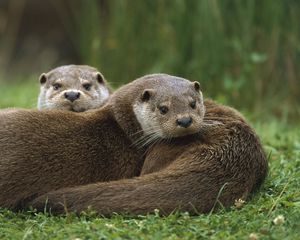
(46, 150)
(73, 87)
(222, 162)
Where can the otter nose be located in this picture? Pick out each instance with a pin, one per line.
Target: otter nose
(184, 122)
(72, 96)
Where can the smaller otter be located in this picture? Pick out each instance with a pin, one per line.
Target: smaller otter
(75, 88)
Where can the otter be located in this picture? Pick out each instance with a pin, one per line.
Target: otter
(73, 87)
(46, 150)
(220, 162)
(214, 119)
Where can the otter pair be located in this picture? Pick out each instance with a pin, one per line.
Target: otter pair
(78, 160)
(80, 88)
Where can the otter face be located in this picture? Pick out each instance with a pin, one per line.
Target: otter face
(73, 88)
(171, 111)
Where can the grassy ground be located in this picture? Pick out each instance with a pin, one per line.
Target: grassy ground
(280, 195)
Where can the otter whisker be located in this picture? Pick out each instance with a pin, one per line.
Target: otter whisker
(159, 140)
(142, 139)
(150, 130)
(150, 140)
(140, 131)
(156, 141)
(146, 139)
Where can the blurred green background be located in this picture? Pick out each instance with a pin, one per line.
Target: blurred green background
(245, 53)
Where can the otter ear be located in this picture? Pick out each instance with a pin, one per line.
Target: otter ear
(43, 78)
(197, 86)
(100, 78)
(147, 94)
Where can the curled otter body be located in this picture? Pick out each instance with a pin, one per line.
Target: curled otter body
(74, 88)
(221, 162)
(45, 150)
(212, 129)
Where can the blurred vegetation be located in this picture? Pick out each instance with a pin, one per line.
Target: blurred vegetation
(245, 53)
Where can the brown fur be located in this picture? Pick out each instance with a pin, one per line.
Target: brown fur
(223, 162)
(46, 150)
(42, 151)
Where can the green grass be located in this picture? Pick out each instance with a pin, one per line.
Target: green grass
(279, 195)
(19, 94)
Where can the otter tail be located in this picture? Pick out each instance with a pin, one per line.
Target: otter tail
(196, 192)
(214, 173)
(197, 183)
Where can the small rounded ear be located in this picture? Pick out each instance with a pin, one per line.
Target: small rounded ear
(100, 78)
(147, 94)
(197, 86)
(43, 78)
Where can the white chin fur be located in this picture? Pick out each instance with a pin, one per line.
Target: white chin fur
(148, 124)
(104, 94)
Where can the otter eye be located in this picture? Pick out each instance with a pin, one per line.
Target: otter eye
(87, 86)
(163, 109)
(56, 86)
(193, 104)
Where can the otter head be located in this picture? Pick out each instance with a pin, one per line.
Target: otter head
(169, 107)
(74, 88)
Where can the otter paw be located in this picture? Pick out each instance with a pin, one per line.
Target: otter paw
(46, 203)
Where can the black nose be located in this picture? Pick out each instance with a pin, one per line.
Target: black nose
(72, 96)
(184, 122)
